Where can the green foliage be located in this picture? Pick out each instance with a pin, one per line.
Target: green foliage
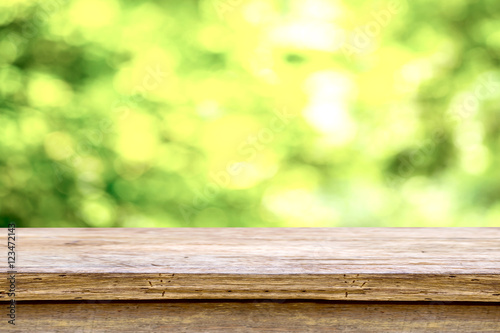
(218, 113)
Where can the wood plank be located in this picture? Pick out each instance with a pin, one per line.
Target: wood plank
(389, 287)
(256, 316)
(386, 264)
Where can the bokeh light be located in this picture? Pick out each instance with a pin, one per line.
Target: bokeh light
(249, 113)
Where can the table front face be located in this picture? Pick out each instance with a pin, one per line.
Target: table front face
(256, 316)
(340, 287)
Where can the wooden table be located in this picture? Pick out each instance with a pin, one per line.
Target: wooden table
(255, 279)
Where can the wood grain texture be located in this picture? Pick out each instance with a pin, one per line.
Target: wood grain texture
(256, 316)
(372, 264)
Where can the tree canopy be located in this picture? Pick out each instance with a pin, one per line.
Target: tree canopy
(239, 113)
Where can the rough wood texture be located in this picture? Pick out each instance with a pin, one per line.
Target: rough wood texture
(386, 264)
(256, 316)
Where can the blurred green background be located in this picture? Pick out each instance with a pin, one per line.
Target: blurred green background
(221, 113)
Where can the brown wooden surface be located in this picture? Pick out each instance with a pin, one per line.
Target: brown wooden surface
(256, 317)
(396, 264)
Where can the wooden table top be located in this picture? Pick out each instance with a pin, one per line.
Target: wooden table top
(375, 264)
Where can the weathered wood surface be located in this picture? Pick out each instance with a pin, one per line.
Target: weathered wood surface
(386, 264)
(256, 316)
